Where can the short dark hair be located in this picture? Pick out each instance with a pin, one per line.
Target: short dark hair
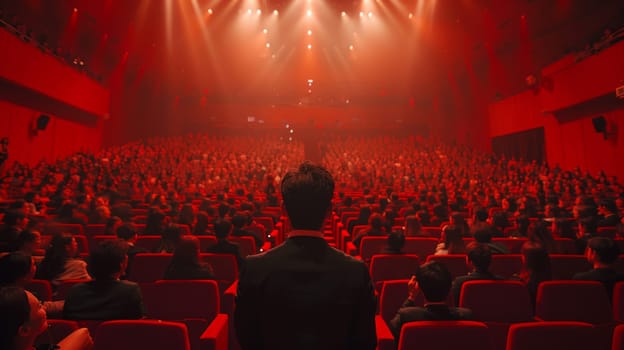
(307, 195)
(239, 220)
(222, 228)
(435, 280)
(376, 221)
(589, 225)
(604, 247)
(126, 232)
(14, 312)
(481, 214)
(13, 267)
(106, 259)
(480, 256)
(396, 240)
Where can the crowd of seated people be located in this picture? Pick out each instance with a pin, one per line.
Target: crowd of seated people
(395, 188)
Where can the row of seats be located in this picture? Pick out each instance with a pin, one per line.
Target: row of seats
(500, 304)
(246, 244)
(193, 307)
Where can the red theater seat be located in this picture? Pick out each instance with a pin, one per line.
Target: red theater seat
(392, 267)
(506, 265)
(246, 245)
(457, 264)
(141, 334)
(196, 303)
(464, 335)
(499, 304)
(551, 335)
(57, 330)
(618, 302)
(41, 289)
(618, 338)
(565, 266)
(148, 267)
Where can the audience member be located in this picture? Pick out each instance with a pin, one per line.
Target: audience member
(535, 267)
(185, 264)
(479, 258)
(223, 245)
(601, 252)
(106, 297)
(394, 243)
(60, 262)
(451, 241)
(434, 281)
(375, 228)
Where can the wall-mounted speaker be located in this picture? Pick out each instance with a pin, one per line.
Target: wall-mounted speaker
(42, 122)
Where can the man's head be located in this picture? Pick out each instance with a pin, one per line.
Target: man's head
(434, 280)
(16, 269)
(126, 232)
(480, 256)
(108, 260)
(376, 221)
(222, 228)
(396, 240)
(307, 195)
(602, 250)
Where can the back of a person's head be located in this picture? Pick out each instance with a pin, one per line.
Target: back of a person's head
(106, 259)
(480, 256)
(481, 214)
(27, 237)
(483, 235)
(376, 221)
(187, 252)
(365, 212)
(239, 220)
(499, 220)
(396, 240)
(172, 233)
(435, 280)
(605, 249)
(452, 233)
(412, 225)
(14, 268)
(126, 232)
(222, 228)
(223, 209)
(307, 195)
(14, 313)
(523, 223)
(536, 260)
(348, 201)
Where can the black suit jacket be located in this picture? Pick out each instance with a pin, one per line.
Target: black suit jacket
(316, 296)
(223, 246)
(430, 312)
(608, 277)
(104, 300)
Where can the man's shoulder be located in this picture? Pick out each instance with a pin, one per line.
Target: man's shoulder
(283, 252)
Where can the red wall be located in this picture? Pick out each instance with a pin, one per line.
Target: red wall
(60, 138)
(565, 112)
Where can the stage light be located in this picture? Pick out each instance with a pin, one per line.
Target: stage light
(351, 47)
(410, 16)
(361, 14)
(292, 131)
(249, 11)
(309, 32)
(309, 91)
(75, 9)
(275, 12)
(287, 126)
(259, 11)
(268, 45)
(309, 46)
(265, 30)
(309, 13)
(370, 15)
(210, 11)
(310, 81)
(343, 14)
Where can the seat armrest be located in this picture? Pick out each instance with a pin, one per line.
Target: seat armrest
(215, 337)
(385, 339)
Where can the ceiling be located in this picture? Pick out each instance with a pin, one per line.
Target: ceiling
(405, 49)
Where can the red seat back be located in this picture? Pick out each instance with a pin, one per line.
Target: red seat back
(457, 264)
(582, 301)
(565, 266)
(618, 302)
(392, 267)
(465, 335)
(141, 334)
(246, 245)
(371, 245)
(41, 289)
(551, 335)
(506, 265)
(148, 267)
(497, 301)
(393, 294)
(421, 246)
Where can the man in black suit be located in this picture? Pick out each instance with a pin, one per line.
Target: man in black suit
(601, 252)
(434, 280)
(224, 246)
(316, 296)
(106, 297)
(480, 257)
